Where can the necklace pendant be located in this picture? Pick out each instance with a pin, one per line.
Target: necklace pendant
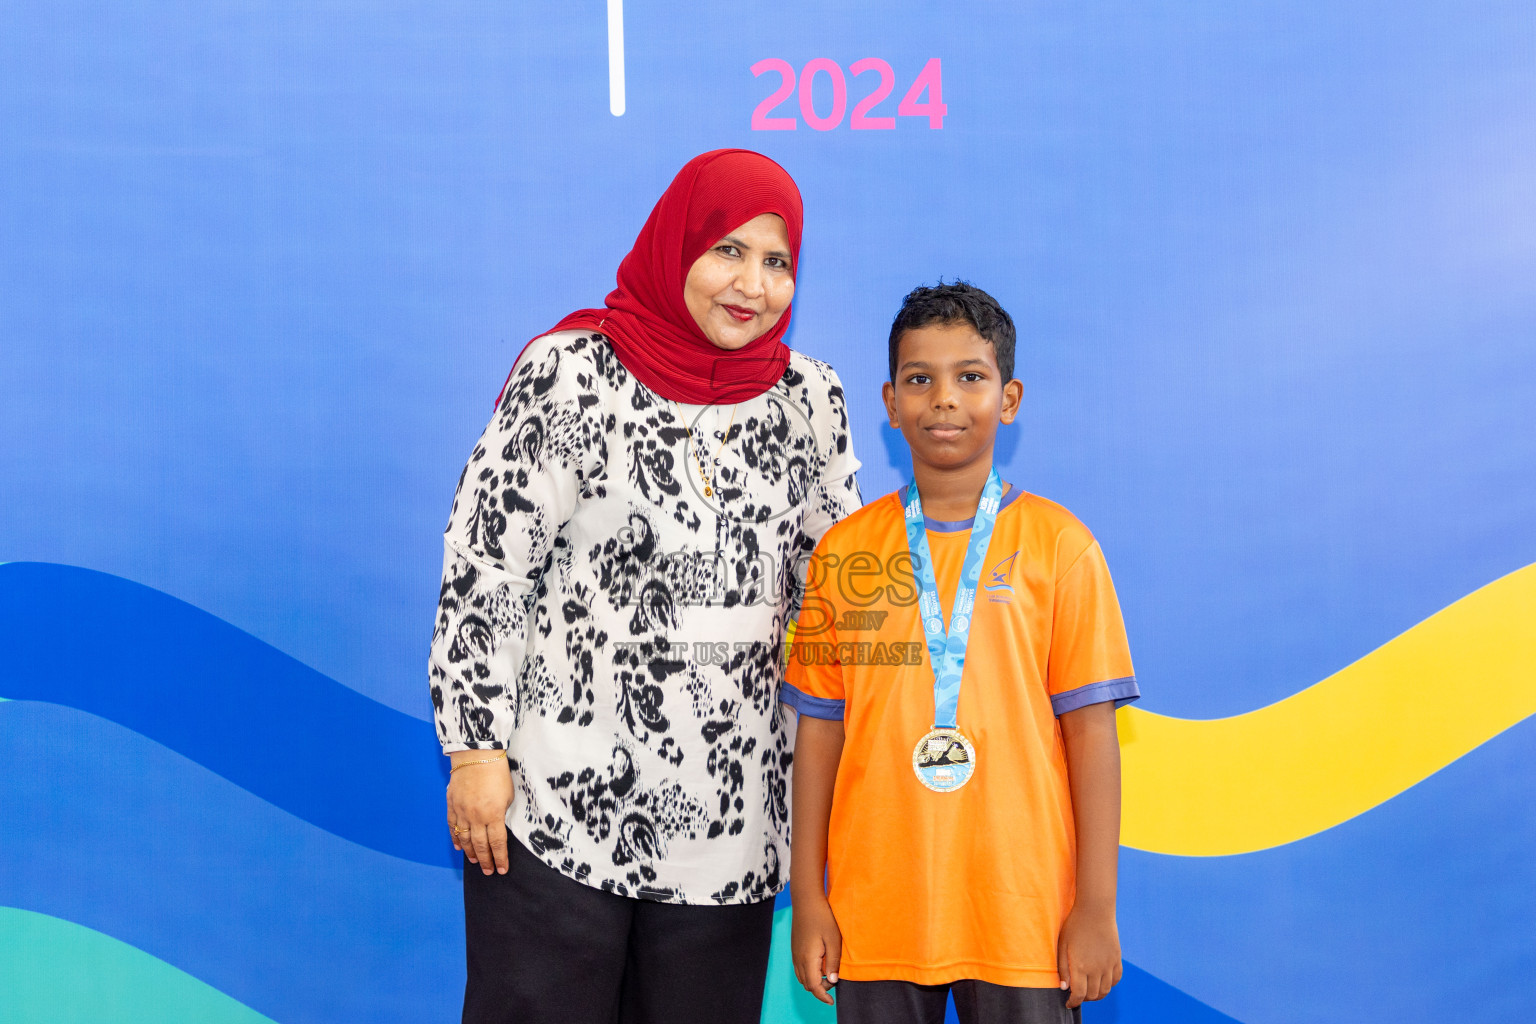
(709, 492)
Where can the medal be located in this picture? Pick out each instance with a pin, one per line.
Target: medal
(945, 759)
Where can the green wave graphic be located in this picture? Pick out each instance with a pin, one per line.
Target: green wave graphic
(56, 972)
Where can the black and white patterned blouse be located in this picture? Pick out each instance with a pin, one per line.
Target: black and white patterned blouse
(614, 618)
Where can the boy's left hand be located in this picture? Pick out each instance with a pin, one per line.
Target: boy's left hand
(1088, 955)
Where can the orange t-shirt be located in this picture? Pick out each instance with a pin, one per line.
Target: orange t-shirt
(935, 887)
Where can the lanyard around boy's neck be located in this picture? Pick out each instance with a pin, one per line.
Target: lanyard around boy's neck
(946, 648)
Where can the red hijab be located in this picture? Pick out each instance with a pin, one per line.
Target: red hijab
(645, 317)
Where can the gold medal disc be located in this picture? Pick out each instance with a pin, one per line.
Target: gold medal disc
(944, 760)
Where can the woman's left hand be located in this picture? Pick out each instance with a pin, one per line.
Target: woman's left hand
(478, 798)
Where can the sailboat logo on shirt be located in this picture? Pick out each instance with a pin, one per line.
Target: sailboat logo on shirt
(999, 574)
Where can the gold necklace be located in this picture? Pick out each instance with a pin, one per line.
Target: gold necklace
(693, 449)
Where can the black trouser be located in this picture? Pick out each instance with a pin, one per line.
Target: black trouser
(543, 949)
(976, 1002)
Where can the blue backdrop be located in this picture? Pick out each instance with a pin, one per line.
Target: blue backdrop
(263, 267)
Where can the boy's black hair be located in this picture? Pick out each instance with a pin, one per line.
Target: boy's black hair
(957, 303)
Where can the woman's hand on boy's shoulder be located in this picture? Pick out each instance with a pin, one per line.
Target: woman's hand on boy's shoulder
(1088, 955)
(816, 946)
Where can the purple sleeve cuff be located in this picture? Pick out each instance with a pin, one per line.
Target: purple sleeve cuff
(1121, 691)
(812, 707)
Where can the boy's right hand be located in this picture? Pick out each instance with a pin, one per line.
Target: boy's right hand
(816, 946)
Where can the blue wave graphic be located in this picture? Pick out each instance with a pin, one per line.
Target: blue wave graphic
(228, 701)
(107, 829)
(130, 839)
(189, 790)
(1141, 998)
(1417, 911)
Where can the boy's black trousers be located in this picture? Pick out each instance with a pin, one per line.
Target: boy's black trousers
(544, 949)
(976, 1002)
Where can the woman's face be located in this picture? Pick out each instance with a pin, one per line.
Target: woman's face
(739, 288)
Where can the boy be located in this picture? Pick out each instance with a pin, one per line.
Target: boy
(983, 859)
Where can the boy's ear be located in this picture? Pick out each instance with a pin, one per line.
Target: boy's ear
(888, 392)
(1013, 396)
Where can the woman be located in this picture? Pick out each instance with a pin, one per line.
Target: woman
(620, 565)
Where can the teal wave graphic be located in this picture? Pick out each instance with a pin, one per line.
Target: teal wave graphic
(56, 972)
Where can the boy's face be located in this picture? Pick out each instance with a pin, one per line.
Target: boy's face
(948, 397)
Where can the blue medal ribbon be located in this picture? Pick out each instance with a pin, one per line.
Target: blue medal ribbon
(946, 648)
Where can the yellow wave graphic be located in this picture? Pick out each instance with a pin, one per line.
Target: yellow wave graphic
(1341, 746)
